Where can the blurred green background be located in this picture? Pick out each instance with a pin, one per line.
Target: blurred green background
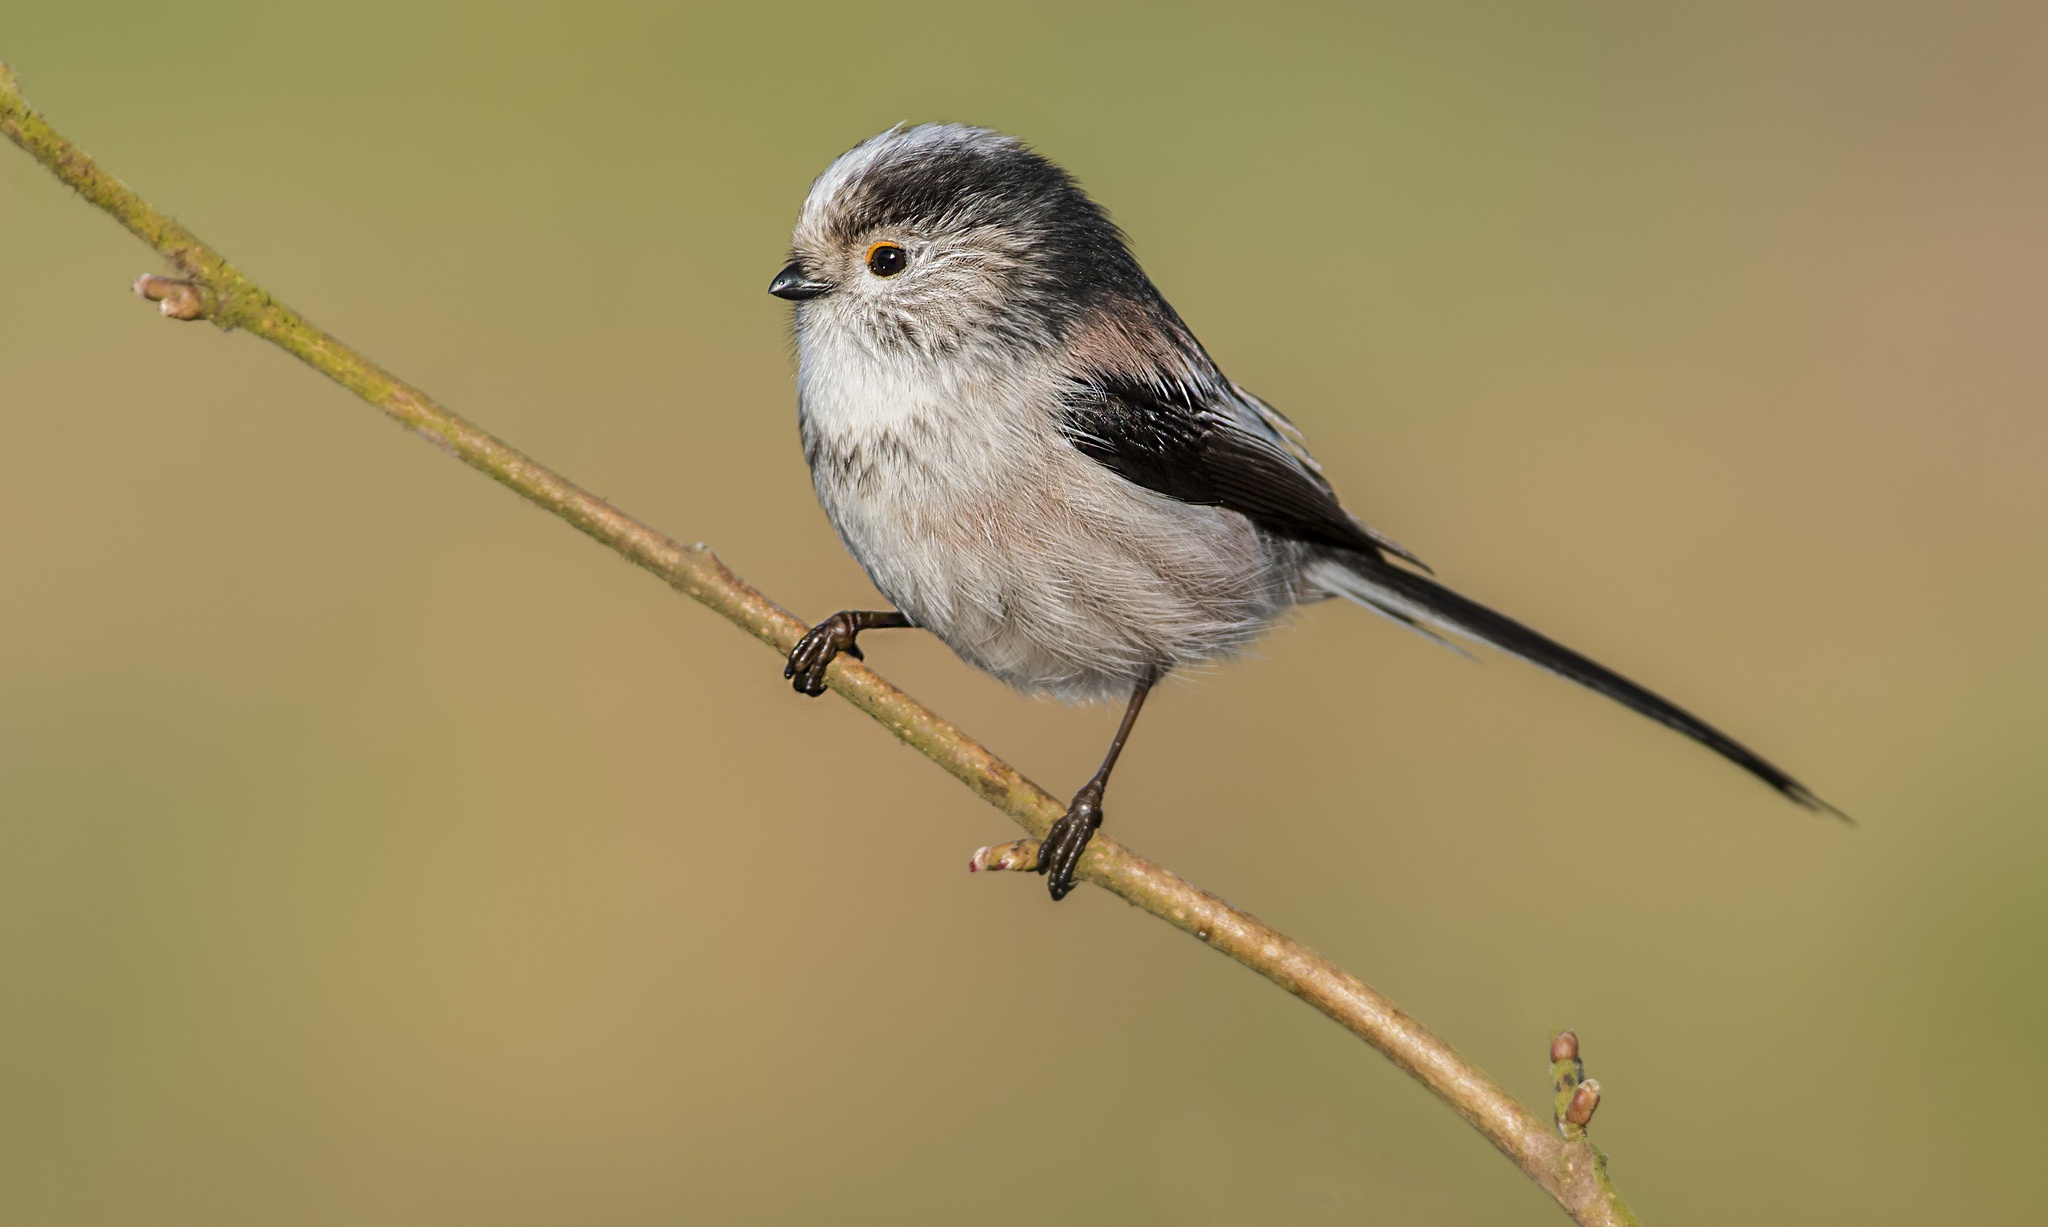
(374, 849)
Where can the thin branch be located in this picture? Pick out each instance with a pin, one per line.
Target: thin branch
(1559, 1159)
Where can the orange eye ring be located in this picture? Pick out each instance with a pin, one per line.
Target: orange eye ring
(886, 259)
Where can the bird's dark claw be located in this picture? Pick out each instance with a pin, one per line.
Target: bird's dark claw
(1060, 852)
(815, 652)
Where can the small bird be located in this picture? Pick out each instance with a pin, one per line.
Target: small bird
(1036, 461)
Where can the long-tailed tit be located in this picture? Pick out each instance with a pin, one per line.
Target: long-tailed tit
(1036, 461)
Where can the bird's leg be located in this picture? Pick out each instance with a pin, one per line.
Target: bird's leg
(1061, 849)
(836, 634)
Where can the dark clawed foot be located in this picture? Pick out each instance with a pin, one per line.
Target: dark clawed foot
(1061, 852)
(815, 652)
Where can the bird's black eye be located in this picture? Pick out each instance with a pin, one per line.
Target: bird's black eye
(887, 259)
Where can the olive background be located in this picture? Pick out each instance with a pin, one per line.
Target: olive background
(375, 849)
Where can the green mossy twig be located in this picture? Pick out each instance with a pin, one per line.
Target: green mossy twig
(1569, 1169)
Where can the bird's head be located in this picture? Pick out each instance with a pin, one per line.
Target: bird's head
(932, 239)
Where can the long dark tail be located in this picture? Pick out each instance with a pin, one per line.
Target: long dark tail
(1422, 603)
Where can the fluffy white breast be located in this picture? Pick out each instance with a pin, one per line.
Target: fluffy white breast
(951, 483)
(913, 458)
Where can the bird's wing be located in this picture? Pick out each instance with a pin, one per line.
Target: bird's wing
(1215, 446)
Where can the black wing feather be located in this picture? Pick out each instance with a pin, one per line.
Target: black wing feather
(1165, 439)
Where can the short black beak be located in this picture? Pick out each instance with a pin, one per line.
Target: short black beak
(791, 283)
